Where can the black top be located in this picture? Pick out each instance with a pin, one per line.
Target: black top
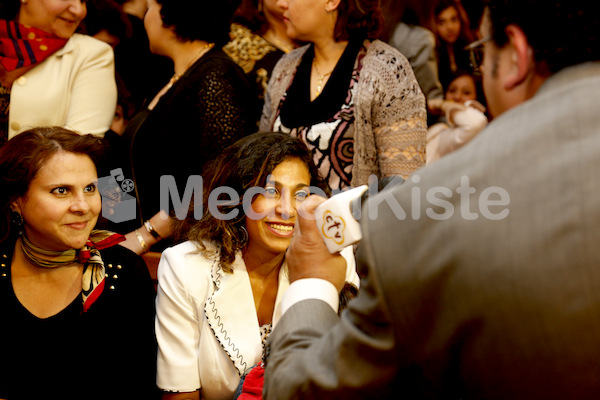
(207, 109)
(298, 109)
(109, 352)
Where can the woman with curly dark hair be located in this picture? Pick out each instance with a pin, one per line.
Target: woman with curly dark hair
(352, 99)
(219, 293)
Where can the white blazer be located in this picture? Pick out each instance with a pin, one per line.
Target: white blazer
(74, 88)
(206, 323)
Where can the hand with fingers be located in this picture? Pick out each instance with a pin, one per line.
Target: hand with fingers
(307, 256)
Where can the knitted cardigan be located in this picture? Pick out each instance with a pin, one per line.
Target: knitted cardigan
(390, 114)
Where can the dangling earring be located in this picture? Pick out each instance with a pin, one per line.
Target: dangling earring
(242, 241)
(16, 218)
(260, 6)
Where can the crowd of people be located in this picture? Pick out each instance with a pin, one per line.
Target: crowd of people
(205, 134)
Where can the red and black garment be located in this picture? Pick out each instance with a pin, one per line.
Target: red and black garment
(22, 46)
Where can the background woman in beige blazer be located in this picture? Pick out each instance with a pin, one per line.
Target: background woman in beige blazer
(50, 75)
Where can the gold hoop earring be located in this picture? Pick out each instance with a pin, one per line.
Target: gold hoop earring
(242, 241)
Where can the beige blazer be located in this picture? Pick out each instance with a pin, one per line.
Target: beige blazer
(74, 88)
(206, 323)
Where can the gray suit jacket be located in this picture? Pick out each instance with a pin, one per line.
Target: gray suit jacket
(475, 303)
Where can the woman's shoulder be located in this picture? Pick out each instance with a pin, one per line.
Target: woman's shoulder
(382, 52)
(216, 59)
(288, 63)
(294, 56)
(246, 47)
(387, 64)
(184, 265)
(190, 254)
(86, 43)
(217, 65)
(123, 259)
(183, 249)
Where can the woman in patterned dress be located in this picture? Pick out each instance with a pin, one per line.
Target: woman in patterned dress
(353, 100)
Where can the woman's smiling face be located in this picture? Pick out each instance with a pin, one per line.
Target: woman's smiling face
(58, 17)
(271, 227)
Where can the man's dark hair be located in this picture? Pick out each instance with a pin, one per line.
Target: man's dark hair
(562, 33)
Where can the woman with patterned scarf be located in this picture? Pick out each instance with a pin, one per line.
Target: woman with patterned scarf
(50, 75)
(76, 309)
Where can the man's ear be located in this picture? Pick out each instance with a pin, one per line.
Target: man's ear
(332, 5)
(522, 63)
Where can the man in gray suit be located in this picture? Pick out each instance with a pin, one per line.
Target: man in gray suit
(481, 271)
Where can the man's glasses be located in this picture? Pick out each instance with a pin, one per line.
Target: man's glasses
(476, 54)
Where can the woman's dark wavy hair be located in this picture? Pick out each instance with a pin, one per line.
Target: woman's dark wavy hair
(22, 157)
(245, 164)
(358, 19)
(199, 20)
(562, 33)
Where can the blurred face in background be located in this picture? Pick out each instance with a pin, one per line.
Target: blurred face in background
(448, 25)
(462, 89)
(58, 17)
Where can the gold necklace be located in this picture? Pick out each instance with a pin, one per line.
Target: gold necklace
(320, 78)
(200, 53)
(176, 76)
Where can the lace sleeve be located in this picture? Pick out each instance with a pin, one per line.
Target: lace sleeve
(225, 104)
(399, 116)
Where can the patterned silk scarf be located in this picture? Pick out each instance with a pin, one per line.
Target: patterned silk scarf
(88, 255)
(21, 46)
